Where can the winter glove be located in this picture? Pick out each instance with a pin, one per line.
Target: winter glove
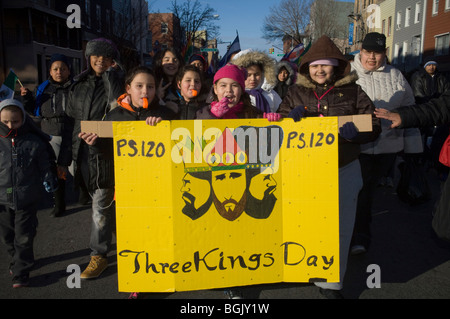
(297, 113)
(51, 185)
(272, 117)
(348, 131)
(218, 109)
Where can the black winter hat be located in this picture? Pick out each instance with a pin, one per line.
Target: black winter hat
(59, 57)
(374, 41)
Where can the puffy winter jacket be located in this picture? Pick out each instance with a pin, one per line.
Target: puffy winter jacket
(426, 87)
(90, 99)
(388, 89)
(49, 107)
(345, 98)
(26, 161)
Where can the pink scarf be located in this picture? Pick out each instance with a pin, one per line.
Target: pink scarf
(232, 112)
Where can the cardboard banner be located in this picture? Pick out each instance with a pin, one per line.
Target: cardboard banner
(223, 203)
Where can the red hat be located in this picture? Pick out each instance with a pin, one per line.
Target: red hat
(233, 72)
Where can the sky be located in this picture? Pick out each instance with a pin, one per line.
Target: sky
(245, 16)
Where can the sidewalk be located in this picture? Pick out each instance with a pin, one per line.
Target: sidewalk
(413, 262)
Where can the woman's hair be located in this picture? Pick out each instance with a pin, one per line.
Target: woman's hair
(158, 66)
(159, 58)
(137, 70)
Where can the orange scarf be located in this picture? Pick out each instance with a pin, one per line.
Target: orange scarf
(125, 101)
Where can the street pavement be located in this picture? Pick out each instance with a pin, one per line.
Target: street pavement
(414, 263)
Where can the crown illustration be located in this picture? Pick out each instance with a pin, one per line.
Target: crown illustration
(226, 154)
(192, 155)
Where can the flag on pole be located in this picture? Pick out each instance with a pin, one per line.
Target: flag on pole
(187, 50)
(211, 69)
(234, 47)
(294, 55)
(7, 88)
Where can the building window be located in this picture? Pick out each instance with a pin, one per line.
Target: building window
(447, 5)
(417, 13)
(389, 26)
(164, 28)
(442, 44)
(435, 7)
(405, 51)
(407, 17)
(396, 53)
(383, 26)
(399, 20)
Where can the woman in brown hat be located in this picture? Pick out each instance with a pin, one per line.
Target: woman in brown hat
(325, 87)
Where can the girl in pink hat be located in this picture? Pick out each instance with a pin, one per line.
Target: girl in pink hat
(230, 101)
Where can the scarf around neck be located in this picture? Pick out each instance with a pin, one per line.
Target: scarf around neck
(232, 112)
(261, 101)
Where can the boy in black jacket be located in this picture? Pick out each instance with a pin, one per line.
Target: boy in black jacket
(90, 99)
(27, 162)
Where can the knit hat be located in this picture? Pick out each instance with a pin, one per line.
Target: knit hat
(102, 47)
(197, 57)
(233, 72)
(429, 60)
(9, 102)
(374, 41)
(333, 62)
(59, 57)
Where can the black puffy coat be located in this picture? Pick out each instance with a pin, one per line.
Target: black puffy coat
(426, 87)
(49, 107)
(90, 99)
(25, 165)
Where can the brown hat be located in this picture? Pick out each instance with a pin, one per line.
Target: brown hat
(324, 48)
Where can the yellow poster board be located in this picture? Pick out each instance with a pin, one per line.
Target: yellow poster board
(223, 203)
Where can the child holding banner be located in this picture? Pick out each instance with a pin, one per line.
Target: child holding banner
(137, 104)
(90, 99)
(325, 87)
(231, 101)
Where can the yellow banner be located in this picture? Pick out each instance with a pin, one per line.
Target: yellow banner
(223, 203)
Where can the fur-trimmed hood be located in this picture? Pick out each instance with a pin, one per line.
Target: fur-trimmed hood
(250, 57)
(306, 82)
(290, 68)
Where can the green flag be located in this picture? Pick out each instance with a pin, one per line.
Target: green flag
(7, 88)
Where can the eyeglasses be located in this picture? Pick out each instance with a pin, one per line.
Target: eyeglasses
(370, 53)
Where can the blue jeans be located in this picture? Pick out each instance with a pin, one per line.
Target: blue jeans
(103, 219)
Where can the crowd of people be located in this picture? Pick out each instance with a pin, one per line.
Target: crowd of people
(250, 85)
